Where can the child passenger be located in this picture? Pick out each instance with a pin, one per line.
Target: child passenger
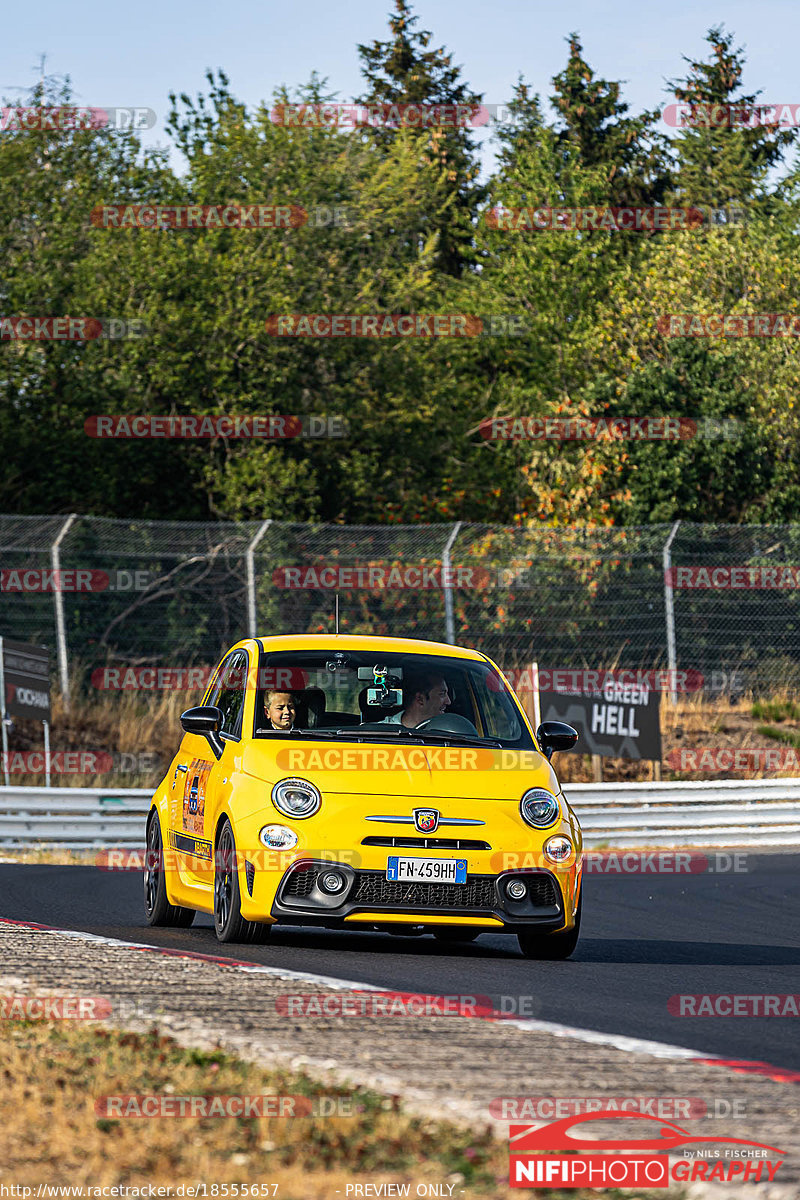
(280, 710)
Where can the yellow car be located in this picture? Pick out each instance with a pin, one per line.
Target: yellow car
(365, 782)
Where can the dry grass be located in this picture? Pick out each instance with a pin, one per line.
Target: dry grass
(117, 723)
(53, 1074)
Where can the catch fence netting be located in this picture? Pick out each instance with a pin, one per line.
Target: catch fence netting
(177, 594)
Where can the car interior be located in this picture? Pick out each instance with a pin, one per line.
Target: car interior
(338, 695)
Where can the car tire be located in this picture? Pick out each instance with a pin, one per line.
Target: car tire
(157, 908)
(229, 923)
(456, 934)
(551, 945)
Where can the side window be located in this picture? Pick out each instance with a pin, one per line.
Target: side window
(229, 691)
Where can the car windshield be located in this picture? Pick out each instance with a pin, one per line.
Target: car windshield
(365, 694)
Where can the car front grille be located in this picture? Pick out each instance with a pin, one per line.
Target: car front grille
(374, 888)
(428, 843)
(301, 882)
(542, 890)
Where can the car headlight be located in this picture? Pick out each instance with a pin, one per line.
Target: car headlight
(558, 849)
(278, 837)
(296, 798)
(539, 808)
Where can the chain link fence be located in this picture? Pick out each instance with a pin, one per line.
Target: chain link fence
(721, 601)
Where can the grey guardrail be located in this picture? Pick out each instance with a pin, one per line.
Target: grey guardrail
(741, 812)
(80, 818)
(718, 812)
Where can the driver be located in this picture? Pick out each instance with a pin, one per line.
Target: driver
(425, 696)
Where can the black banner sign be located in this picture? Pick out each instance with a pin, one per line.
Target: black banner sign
(26, 674)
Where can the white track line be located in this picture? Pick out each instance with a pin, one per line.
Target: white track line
(628, 1045)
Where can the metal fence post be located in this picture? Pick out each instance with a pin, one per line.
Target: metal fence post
(449, 621)
(3, 715)
(672, 655)
(58, 597)
(251, 579)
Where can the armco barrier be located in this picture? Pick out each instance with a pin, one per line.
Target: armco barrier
(79, 818)
(742, 812)
(728, 812)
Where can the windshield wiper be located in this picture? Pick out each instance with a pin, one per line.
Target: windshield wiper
(379, 734)
(471, 739)
(317, 733)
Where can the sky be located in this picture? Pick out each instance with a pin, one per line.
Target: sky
(134, 55)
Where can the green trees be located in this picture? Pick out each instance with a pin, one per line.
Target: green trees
(405, 70)
(726, 142)
(399, 222)
(594, 128)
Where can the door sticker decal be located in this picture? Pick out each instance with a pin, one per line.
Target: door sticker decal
(194, 795)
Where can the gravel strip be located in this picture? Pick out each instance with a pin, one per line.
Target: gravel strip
(442, 1066)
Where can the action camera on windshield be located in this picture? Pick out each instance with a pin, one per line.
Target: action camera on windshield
(382, 694)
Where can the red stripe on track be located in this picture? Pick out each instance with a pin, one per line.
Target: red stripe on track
(744, 1066)
(740, 1066)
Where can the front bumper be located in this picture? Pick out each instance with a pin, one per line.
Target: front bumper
(368, 896)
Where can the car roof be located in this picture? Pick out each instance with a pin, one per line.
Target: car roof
(353, 641)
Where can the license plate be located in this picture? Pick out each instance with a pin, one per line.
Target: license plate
(427, 870)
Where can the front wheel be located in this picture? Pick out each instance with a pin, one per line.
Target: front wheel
(551, 945)
(229, 923)
(157, 908)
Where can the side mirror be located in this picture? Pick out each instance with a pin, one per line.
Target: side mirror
(205, 721)
(555, 735)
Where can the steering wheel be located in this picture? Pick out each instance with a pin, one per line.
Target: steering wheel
(448, 723)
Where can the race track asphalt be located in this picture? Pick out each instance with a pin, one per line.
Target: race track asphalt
(645, 938)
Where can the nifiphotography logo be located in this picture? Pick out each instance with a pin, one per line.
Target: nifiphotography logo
(633, 1162)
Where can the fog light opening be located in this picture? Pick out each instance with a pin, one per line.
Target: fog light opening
(332, 882)
(516, 889)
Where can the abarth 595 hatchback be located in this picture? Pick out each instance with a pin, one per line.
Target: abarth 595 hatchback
(365, 783)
